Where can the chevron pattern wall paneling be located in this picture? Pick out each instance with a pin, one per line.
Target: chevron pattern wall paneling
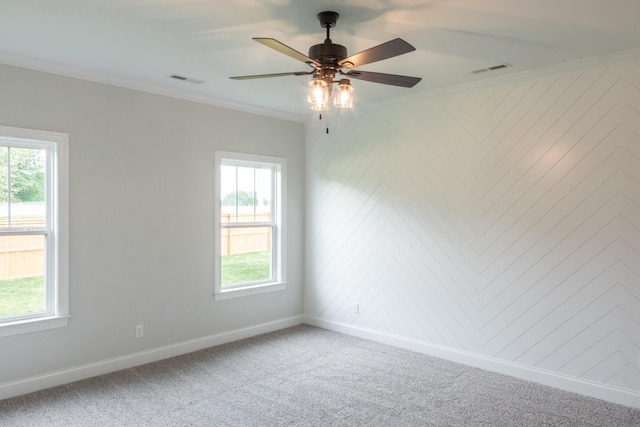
(503, 222)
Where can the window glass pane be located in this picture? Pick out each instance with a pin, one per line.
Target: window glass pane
(246, 194)
(228, 189)
(246, 254)
(4, 189)
(263, 194)
(27, 175)
(22, 287)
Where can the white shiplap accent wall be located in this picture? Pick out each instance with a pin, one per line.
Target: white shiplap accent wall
(503, 222)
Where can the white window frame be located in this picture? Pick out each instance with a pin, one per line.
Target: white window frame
(56, 233)
(278, 206)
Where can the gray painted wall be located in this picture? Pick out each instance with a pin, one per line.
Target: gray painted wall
(141, 218)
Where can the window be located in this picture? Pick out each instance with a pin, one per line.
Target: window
(250, 206)
(33, 230)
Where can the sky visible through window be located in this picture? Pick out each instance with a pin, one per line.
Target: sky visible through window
(249, 180)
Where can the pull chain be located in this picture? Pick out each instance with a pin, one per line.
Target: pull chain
(327, 129)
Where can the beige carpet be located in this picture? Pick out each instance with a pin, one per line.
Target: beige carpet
(306, 376)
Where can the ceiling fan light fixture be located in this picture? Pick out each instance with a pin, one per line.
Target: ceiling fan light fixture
(344, 95)
(328, 59)
(318, 95)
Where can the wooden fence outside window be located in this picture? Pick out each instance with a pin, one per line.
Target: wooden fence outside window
(243, 240)
(21, 256)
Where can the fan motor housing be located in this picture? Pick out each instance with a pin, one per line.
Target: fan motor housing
(328, 53)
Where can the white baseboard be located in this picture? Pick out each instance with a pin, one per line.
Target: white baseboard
(540, 376)
(40, 382)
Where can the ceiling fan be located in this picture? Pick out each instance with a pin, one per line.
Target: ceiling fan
(328, 60)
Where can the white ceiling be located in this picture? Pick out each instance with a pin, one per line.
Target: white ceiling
(139, 43)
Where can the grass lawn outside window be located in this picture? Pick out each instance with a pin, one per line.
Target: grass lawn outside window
(21, 296)
(248, 267)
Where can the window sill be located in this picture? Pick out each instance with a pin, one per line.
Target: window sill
(32, 325)
(249, 290)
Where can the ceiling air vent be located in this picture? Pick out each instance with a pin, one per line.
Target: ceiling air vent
(186, 79)
(493, 68)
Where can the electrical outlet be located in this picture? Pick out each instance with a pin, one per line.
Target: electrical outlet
(356, 308)
(139, 331)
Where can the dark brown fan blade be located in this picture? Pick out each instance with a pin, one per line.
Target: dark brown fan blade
(386, 50)
(283, 48)
(387, 79)
(262, 76)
